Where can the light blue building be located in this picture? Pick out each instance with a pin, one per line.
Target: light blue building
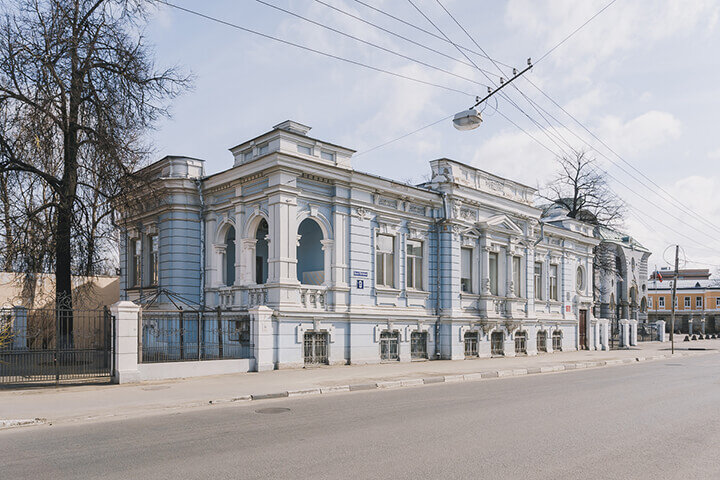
(358, 268)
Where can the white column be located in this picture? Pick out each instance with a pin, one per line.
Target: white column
(125, 348)
(624, 333)
(210, 263)
(633, 324)
(247, 261)
(339, 256)
(262, 334)
(509, 287)
(327, 247)
(484, 266)
(238, 246)
(604, 327)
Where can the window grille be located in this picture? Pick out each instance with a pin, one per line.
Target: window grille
(471, 344)
(542, 342)
(418, 345)
(557, 341)
(520, 343)
(497, 346)
(389, 346)
(315, 348)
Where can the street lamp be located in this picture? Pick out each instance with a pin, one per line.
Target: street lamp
(467, 120)
(470, 119)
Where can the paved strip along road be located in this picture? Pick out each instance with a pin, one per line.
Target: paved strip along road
(655, 420)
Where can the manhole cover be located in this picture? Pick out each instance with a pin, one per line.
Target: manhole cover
(158, 387)
(272, 410)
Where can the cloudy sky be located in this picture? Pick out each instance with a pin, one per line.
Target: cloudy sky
(642, 77)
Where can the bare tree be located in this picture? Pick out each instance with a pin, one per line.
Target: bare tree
(78, 90)
(582, 189)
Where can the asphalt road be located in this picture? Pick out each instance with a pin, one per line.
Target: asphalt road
(659, 420)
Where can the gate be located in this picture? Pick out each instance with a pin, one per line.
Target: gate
(54, 344)
(497, 343)
(647, 332)
(389, 342)
(315, 348)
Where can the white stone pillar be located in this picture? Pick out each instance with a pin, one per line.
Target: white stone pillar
(624, 333)
(661, 336)
(339, 262)
(484, 267)
(247, 260)
(633, 324)
(125, 344)
(509, 345)
(531, 341)
(509, 286)
(604, 327)
(404, 345)
(263, 338)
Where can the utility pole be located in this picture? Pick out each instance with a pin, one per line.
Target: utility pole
(674, 290)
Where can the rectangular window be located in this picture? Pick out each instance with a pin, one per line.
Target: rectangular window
(414, 271)
(553, 282)
(517, 275)
(305, 149)
(538, 280)
(385, 261)
(263, 149)
(466, 269)
(717, 302)
(329, 156)
(661, 302)
(698, 302)
(135, 262)
(650, 303)
(686, 304)
(153, 244)
(418, 345)
(493, 273)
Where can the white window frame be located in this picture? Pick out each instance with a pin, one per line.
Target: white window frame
(153, 260)
(698, 302)
(537, 281)
(385, 256)
(517, 274)
(329, 156)
(650, 302)
(717, 302)
(414, 262)
(661, 302)
(553, 281)
(469, 277)
(686, 302)
(494, 273)
(135, 262)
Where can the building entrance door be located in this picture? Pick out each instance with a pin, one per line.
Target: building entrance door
(583, 330)
(316, 348)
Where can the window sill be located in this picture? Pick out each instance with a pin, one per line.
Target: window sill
(469, 295)
(387, 290)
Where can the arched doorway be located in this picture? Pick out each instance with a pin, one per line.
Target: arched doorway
(261, 252)
(229, 263)
(310, 255)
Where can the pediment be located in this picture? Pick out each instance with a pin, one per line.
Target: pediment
(503, 223)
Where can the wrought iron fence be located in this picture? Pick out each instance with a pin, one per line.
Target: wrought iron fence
(647, 332)
(54, 344)
(185, 335)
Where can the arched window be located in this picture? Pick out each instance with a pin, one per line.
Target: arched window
(261, 253)
(229, 267)
(310, 255)
(643, 305)
(557, 340)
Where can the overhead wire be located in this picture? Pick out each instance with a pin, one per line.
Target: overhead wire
(313, 50)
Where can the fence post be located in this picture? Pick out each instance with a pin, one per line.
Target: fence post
(220, 332)
(125, 343)
(661, 331)
(633, 324)
(200, 325)
(262, 334)
(182, 335)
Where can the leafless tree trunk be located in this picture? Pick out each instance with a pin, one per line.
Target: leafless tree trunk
(78, 89)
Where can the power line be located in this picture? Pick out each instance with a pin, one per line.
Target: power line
(310, 49)
(575, 31)
(403, 136)
(371, 44)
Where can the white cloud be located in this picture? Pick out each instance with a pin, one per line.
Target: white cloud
(640, 134)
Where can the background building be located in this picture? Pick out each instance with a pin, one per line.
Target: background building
(697, 307)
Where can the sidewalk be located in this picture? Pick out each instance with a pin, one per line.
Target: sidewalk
(77, 403)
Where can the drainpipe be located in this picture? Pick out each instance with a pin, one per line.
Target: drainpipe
(438, 223)
(198, 184)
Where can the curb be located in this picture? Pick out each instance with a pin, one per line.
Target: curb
(468, 377)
